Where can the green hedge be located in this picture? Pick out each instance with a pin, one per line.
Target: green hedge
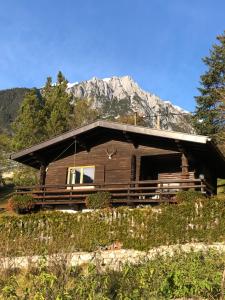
(98, 200)
(202, 220)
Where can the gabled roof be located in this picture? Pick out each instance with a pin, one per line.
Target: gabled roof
(100, 129)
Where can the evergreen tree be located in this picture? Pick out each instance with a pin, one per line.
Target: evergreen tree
(83, 113)
(209, 117)
(57, 106)
(47, 88)
(29, 124)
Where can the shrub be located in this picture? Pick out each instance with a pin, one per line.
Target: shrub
(98, 200)
(21, 203)
(25, 176)
(188, 196)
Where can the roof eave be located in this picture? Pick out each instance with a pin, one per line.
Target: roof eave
(115, 126)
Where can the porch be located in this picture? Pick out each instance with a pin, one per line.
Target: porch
(126, 193)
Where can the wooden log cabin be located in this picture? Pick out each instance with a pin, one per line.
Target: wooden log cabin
(135, 164)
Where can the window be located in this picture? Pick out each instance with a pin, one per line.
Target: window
(81, 175)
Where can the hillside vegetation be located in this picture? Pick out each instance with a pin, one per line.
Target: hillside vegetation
(201, 220)
(10, 101)
(184, 275)
(161, 277)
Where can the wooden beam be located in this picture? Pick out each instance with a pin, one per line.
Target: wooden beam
(133, 168)
(184, 160)
(42, 173)
(184, 166)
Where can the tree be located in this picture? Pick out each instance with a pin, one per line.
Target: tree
(57, 106)
(131, 119)
(83, 113)
(29, 125)
(5, 148)
(209, 117)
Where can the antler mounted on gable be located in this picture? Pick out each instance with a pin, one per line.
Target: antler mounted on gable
(110, 153)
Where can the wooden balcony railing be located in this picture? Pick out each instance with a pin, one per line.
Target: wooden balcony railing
(121, 192)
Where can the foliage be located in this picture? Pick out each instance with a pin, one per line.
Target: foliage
(5, 142)
(188, 275)
(57, 106)
(21, 203)
(111, 109)
(10, 101)
(48, 112)
(221, 186)
(5, 148)
(42, 115)
(98, 200)
(83, 113)
(140, 228)
(130, 119)
(209, 116)
(28, 126)
(189, 195)
(24, 176)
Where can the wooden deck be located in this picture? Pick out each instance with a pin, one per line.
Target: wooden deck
(134, 192)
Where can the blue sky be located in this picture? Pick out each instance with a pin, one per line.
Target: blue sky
(159, 43)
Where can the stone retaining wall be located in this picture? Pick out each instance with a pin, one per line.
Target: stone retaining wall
(112, 259)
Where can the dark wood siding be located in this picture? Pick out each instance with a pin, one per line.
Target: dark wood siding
(108, 170)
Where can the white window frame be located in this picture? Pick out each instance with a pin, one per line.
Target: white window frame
(81, 177)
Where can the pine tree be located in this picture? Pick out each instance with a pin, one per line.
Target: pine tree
(60, 78)
(29, 124)
(57, 106)
(83, 113)
(209, 117)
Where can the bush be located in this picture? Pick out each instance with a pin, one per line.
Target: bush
(98, 200)
(25, 176)
(21, 203)
(188, 196)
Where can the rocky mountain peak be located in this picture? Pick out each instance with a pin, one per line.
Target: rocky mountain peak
(122, 95)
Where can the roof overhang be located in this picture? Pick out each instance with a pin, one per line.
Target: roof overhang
(100, 130)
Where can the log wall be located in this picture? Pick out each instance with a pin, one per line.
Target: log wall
(107, 170)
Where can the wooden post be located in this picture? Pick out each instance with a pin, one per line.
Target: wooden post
(135, 118)
(133, 168)
(184, 166)
(138, 167)
(42, 173)
(158, 122)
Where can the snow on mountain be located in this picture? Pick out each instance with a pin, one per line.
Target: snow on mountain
(70, 85)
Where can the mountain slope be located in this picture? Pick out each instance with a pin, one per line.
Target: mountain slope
(9, 103)
(117, 96)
